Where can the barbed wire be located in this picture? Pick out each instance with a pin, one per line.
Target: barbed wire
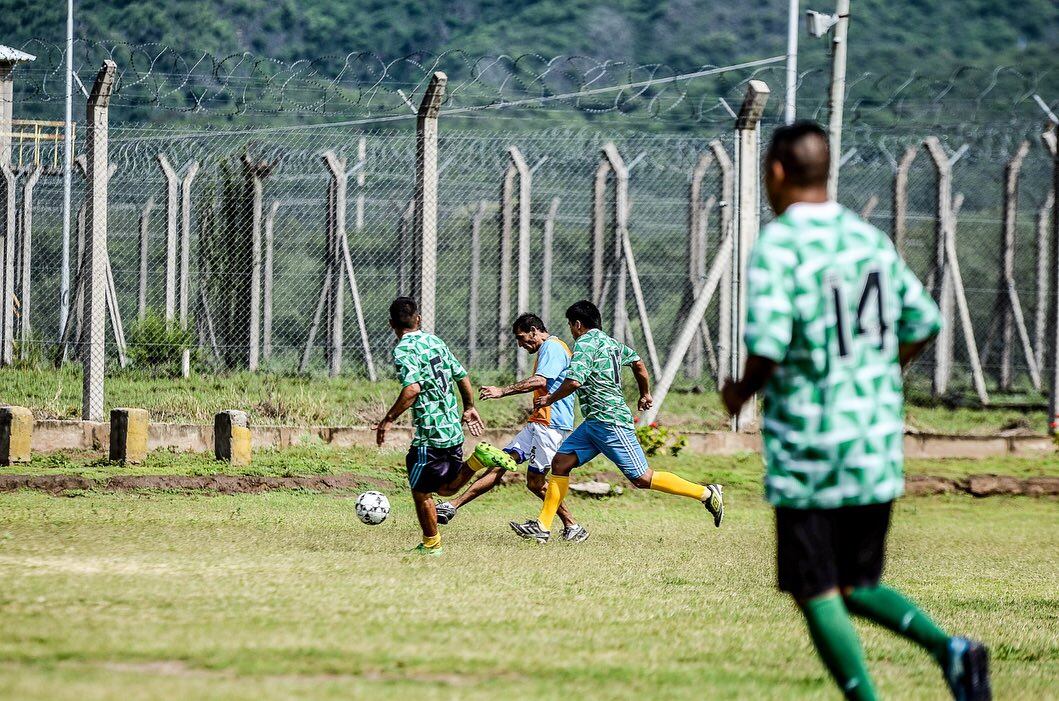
(371, 88)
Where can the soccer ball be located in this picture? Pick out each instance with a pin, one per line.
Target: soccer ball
(373, 508)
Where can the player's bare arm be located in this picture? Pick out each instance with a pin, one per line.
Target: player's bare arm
(404, 402)
(530, 384)
(908, 352)
(470, 415)
(643, 383)
(756, 374)
(567, 388)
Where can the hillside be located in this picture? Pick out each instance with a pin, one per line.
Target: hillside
(685, 34)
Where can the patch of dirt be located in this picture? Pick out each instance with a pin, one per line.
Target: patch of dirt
(222, 484)
(984, 486)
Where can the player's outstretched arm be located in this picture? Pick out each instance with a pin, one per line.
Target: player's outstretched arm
(470, 414)
(567, 388)
(404, 401)
(643, 383)
(530, 384)
(757, 372)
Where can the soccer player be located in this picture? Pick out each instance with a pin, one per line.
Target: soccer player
(545, 430)
(833, 315)
(427, 370)
(595, 374)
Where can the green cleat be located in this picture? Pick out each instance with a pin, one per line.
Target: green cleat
(491, 456)
(424, 550)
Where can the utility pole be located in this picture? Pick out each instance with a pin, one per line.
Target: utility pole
(790, 108)
(838, 94)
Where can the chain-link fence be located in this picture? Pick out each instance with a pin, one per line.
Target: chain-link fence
(279, 249)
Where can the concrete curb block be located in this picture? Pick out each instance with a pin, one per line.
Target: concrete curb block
(51, 435)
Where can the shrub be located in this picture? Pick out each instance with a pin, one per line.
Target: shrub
(156, 344)
(654, 438)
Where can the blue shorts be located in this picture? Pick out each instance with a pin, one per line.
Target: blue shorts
(618, 443)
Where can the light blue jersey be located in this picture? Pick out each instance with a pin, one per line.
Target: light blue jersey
(553, 360)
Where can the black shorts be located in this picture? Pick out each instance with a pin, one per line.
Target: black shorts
(430, 468)
(821, 549)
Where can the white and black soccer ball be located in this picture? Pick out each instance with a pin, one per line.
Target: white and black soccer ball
(373, 508)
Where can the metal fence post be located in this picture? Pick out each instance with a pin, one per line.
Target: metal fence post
(172, 188)
(748, 167)
(1050, 139)
(96, 242)
(26, 258)
(426, 200)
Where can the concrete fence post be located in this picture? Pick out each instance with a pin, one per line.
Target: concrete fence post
(145, 244)
(25, 326)
(336, 218)
(96, 242)
(255, 173)
(599, 228)
(547, 258)
(362, 160)
(504, 248)
(7, 266)
(16, 434)
(1043, 280)
(128, 435)
(942, 276)
(525, 210)
(231, 437)
(172, 206)
(184, 287)
(747, 218)
(1005, 304)
(900, 198)
(475, 273)
(1052, 322)
(425, 230)
(266, 293)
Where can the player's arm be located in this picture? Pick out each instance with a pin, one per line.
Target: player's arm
(643, 383)
(530, 384)
(755, 376)
(470, 413)
(567, 388)
(920, 319)
(403, 403)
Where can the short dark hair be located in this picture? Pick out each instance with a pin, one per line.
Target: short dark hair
(585, 312)
(527, 322)
(802, 149)
(403, 312)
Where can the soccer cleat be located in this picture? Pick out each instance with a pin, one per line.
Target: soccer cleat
(966, 670)
(714, 502)
(446, 512)
(491, 456)
(531, 530)
(575, 534)
(424, 550)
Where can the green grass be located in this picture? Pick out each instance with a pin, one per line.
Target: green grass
(273, 399)
(286, 595)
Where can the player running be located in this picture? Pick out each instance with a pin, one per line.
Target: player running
(427, 370)
(546, 428)
(595, 374)
(833, 316)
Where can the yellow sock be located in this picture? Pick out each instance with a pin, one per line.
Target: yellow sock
(432, 541)
(557, 487)
(475, 463)
(672, 484)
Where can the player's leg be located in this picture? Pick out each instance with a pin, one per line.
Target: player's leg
(577, 449)
(621, 446)
(421, 462)
(807, 570)
(862, 542)
(544, 444)
(516, 451)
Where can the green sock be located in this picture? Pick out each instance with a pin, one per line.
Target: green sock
(889, 608)
(838, 646)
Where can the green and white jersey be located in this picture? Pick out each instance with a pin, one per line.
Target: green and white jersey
(596, 363)
(829, 300)
(424, 358)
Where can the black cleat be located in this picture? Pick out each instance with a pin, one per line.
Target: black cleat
(967, 670)
(575, 534)
(446, 512)
(531, 530)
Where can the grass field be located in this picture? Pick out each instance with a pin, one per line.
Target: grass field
(285, 595)
(350, 401)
